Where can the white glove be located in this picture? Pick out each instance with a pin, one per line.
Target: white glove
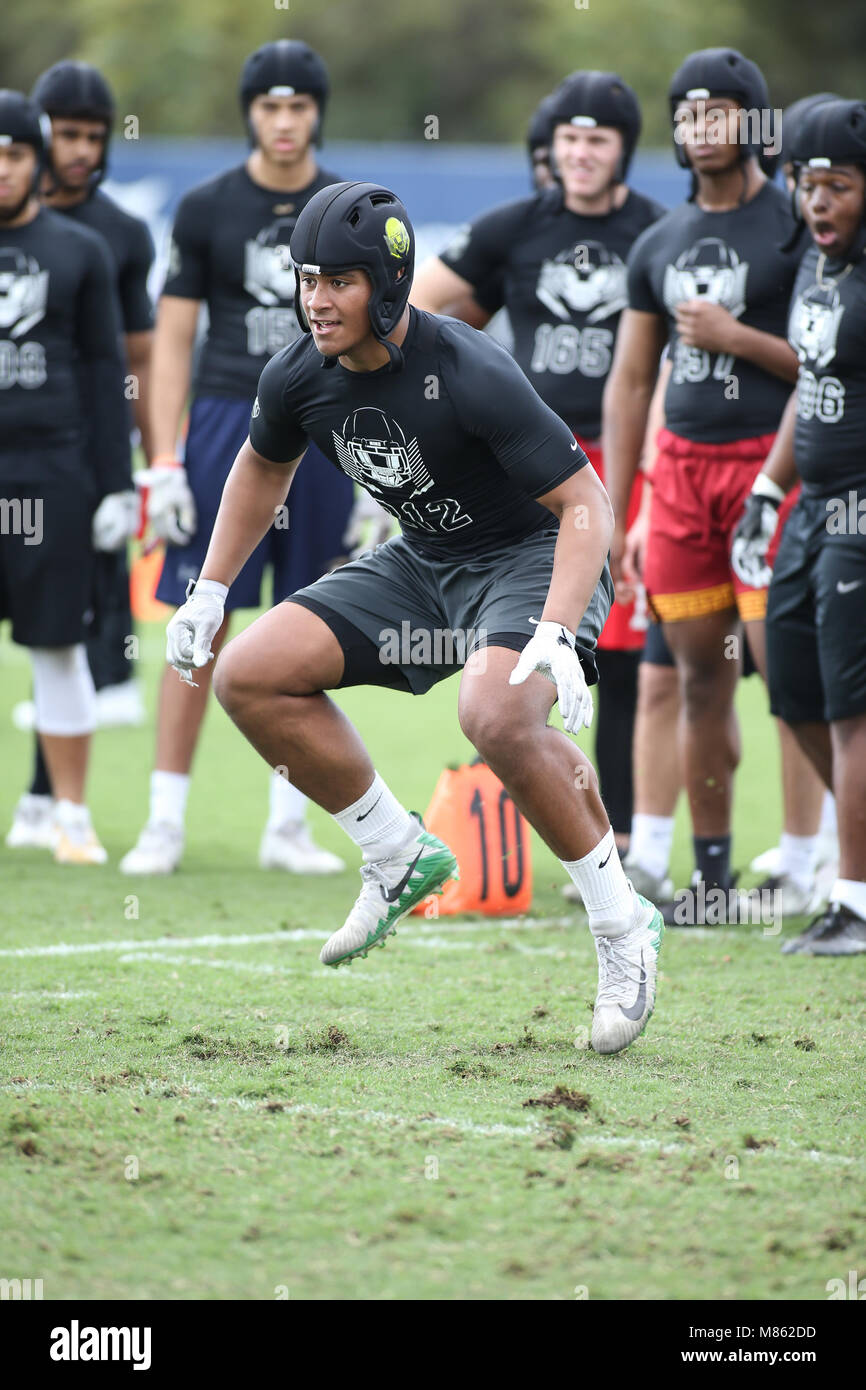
(170, 503)
(115, 520)
(368, 525)
(191, 630)
(550, 651)
(755, 531)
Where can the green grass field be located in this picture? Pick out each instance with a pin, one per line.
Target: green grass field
(192, 1107)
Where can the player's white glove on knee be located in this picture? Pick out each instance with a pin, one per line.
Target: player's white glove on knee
(368, 525)
(755, 531)
(192, 629)
(170, 503)
(550, 651)
(115, 520)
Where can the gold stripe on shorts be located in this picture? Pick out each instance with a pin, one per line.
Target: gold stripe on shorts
(698, 603)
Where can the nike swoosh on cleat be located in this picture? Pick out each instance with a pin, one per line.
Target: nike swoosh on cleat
(842, 588)
(394, 893)
(604, 861)
(636, 1009)
(372, 808)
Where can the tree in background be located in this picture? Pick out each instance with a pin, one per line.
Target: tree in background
(479, 66)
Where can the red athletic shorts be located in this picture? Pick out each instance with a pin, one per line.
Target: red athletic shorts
(698, 492)
(625, 629)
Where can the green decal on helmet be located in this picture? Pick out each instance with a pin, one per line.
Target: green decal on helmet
(396, 237)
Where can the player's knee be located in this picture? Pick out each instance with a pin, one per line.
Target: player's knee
(494, 731)
(702, 691)
(232, 685)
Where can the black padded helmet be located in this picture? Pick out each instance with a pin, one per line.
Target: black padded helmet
(22, 122)
(832, 132)
(719, 72)
(78, 90)
(284, 68)
(793, 117)
(359, 226)
(597, 98)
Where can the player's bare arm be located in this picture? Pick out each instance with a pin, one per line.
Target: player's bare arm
(138, 349)
(585, 530)
(171, 365)
(436, 287)
(625, 412)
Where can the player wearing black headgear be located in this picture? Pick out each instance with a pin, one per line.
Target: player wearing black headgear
(230, 252)
(79, 103)
(712, 280)
(816, 617)
(538, 144)
(792, 120)
(64, 455)
(505, 530)
(557, 264)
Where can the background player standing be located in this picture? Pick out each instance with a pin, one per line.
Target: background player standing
(64, 455)
(229, 249)
(81, 107)
(712, 276)
(816, 618)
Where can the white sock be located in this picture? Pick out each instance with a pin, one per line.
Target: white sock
(650, 843)
(851, 893)
(828, 815)
(168, 794)
(377, 822)
(605, 890)
(287, 804)
(797, 855)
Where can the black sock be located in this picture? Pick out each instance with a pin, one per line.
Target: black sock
(713, 859)
(41, 784)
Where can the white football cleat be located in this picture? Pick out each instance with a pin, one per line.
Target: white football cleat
(291, 847)
(769, 863)
(391, 888)
(159, 850)
(120, 706)
(627, 970)
(76, 841)
(33, 823)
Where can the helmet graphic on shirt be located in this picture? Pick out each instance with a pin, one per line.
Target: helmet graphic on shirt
(814, 324)
(373, 450)
(23, 292)
(710, 269)
(587, 279)
(269, 275)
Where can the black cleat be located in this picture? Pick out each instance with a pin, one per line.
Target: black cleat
(837, 932)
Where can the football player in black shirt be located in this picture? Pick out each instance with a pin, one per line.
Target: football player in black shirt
(80, 104)
(64, 454)
(559, 261)
(229, 245)
(710, 277)
(500, 569)
(816, 618)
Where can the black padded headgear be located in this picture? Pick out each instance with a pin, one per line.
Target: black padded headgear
(598, 98)
(832, 132)
(284, 68)
(793, 117)
(720, 72)
(538, 131)
(359, 226)
(22, 122)
(79, 91)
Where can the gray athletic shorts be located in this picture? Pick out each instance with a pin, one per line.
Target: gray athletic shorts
(406, 621)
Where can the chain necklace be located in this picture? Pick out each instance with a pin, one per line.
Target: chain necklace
(830, 284)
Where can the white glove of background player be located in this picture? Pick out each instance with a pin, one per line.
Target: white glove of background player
(368, 525)
(192, 629)
(115, 520)
(755, 531)
(550, 651)
(170, 503)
